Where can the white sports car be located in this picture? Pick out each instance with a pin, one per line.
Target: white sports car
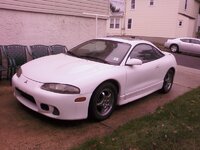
(94, 77)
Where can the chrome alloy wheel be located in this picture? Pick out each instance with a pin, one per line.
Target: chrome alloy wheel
(168, 81)
(105, 102)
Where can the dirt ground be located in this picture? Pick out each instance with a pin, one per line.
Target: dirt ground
(23, 129)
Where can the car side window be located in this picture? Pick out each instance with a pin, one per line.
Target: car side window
(195, 41)
(185, 40)
(146, 53)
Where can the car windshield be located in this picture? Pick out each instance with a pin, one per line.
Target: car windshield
(104, 51)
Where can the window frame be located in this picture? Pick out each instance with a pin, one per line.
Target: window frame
(186, 4)
(129, 25)
(151, 2)
(156, 50)
(194, 41)
(132, 4)
(112, 23)
(186, 40)
(74, 51)
(180, 23)
(115, 24)
(199, 10)
(198, 28)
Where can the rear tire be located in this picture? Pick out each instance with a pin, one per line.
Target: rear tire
(103, 101)
(168, 81)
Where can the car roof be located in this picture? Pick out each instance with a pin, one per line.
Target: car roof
(131, 41)
(188, 38)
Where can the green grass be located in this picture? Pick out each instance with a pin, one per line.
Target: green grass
(175, 126)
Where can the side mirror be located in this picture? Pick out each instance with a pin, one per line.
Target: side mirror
(133, 61)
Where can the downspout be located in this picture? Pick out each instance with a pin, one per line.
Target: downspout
(124, 23)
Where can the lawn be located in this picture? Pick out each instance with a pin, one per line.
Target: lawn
(175, 126)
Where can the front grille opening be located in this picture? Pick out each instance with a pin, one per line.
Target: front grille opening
(44, 107)
(26, 96)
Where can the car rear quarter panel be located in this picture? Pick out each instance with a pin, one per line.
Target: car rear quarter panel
(169, 61)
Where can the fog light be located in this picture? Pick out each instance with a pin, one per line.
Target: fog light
(56, 111)
(19, 72)
(44, 107)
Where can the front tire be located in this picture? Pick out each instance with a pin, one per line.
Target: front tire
(103, 101)
(174, 48)
(168, 81)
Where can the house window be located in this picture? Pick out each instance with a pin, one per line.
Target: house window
(112, 22)
(151, 2)
(186, 3)
(132, 4)
(180, 23)
(198, 28)
(117, 23)
(199, 10)
(129, 23)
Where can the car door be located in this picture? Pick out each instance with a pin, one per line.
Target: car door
(185, 45)
(195, 46)
(143, 79)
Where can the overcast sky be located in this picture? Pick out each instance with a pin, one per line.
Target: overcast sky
(118, 4)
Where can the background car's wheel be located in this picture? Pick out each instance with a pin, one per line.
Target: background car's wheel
(103, 101)
(174, 48)
(168, 81)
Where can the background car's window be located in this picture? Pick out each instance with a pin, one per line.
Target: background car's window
(185, 40)
(146, 53)
(195, 41)
(112, 52)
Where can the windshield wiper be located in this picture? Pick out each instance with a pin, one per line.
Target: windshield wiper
(94, 58)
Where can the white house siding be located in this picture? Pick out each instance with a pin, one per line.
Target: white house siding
(189, 15)
(183, 30)
(162, 20)
(188, 29)
(191, 9)
(158, 20)
(49, 22)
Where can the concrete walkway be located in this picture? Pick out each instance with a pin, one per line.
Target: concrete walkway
(23, 129)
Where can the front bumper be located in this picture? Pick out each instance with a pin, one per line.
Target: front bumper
(53, 105)
(166, 44)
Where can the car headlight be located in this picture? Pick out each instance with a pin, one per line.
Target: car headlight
(19, 72)
(60, 88)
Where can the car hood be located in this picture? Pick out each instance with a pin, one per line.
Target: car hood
(61, 68)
